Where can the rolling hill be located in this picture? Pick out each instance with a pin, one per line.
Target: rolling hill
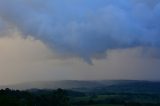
(92, 86)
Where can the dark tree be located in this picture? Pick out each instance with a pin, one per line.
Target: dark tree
(10, 97)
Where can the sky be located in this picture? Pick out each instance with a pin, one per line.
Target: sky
(79, 40)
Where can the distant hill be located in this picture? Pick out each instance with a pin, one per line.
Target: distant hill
(65, 84)
(92, 86)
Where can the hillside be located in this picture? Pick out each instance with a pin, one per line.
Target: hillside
(103, 85)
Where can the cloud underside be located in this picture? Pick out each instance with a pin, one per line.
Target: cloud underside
(85, 28)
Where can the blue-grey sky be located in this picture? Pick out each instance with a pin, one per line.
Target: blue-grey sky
(79, 39)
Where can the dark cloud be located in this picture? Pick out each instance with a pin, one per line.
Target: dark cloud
(86, 28)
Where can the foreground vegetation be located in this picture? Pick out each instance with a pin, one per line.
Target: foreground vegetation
(33, 98)
(59, 97)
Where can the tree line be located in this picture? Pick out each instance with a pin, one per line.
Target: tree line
(10, 97)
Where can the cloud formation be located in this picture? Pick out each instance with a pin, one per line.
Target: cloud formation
(85, 28)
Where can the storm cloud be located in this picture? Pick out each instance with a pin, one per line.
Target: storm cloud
(83, 28)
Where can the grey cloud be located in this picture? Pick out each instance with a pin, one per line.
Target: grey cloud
(84, 29)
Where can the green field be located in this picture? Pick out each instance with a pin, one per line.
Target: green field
(117, 100)
(104, 105)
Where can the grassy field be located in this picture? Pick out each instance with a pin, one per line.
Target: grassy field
(104, 105)
(96, 98)
(117, 100)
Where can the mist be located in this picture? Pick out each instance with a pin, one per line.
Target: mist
(79, 40)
